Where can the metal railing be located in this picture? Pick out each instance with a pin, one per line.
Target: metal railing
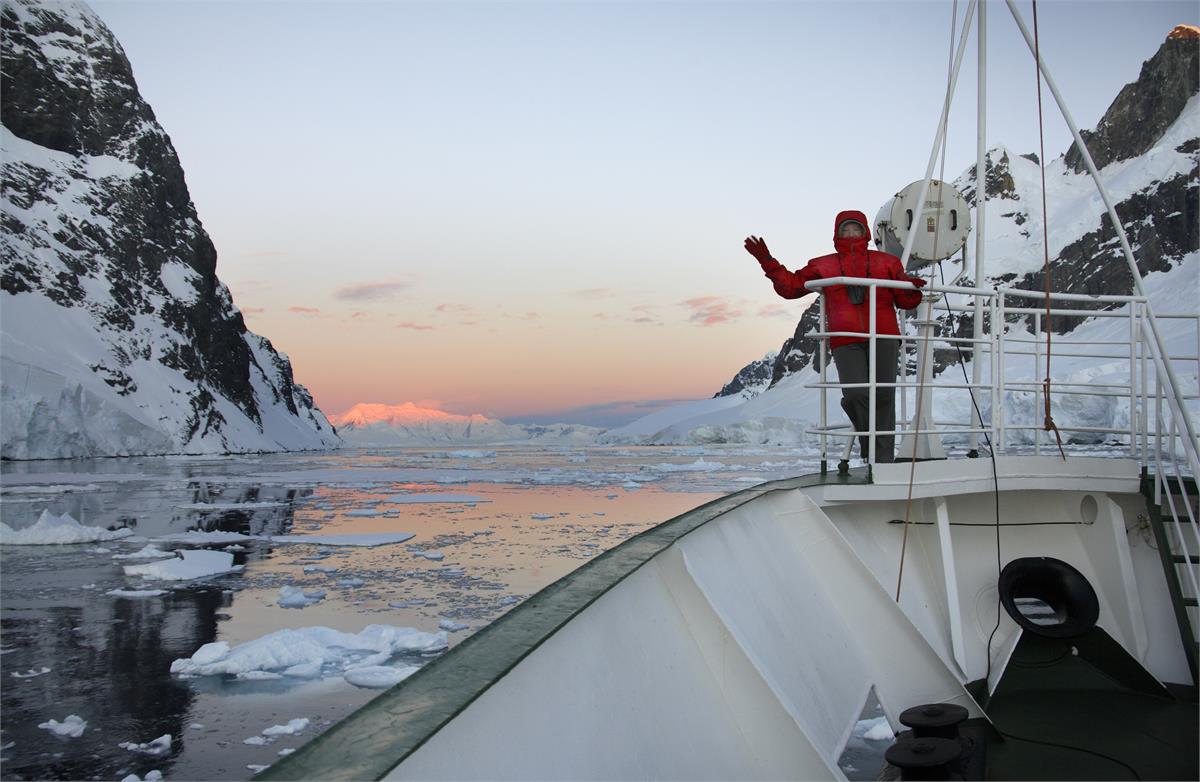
(1143, 421)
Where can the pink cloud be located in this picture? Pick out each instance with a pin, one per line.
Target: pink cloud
(776, 311)
(712, 310)
(305, 310)
(357, 315)
(414, 326)
(448, 307)
(252, 310)
(370, 291)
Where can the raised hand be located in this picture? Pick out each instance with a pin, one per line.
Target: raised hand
(758, 248)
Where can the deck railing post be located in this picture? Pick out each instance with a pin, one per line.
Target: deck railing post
(872, 392)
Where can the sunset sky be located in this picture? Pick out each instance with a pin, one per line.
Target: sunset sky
(526, 208)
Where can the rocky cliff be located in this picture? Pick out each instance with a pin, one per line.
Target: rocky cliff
(117, 336)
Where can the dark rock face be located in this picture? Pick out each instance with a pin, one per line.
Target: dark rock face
(751, 380)
(101, 220)
(1145, 108)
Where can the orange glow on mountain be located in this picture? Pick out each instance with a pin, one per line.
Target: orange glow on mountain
(367, 413)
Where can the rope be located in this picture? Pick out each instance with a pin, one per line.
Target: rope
(912, 469)
(1048, 424)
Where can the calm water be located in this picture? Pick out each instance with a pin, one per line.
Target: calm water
(533, 516)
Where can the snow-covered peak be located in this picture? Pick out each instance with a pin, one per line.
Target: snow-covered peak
(367, 413)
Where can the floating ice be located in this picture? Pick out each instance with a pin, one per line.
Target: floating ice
(319, 569)
(877, 729)
(435, 556)
(256, 768)
(72, 727)
(542, 516)
(350, 582)
(149, 551)
(30, 673)
(190, 565)
(219, 506)
(159, 746)
(132, 593)
(258, 676)
(286, 649)
(304, 670)
(697, 466)
(450, 626)
(256, 741)
(50, 530)
(290, 729)
(471, 454)
(433, 497)
(201, 538)
(364, 512)
(293, 597)
(287, 751)
(379, 677)
(152, 776)
(366, 539)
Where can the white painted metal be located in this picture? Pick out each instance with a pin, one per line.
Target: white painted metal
(980, 214)
(941, 231)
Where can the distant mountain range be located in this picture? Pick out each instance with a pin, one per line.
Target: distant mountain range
(116, 337)
(1148, 148)
(407, 424)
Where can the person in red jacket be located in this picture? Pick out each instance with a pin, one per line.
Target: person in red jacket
(847, 310)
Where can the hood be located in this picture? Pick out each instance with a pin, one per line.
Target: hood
(852, 214)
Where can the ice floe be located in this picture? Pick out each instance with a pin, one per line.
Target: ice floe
(201, 538)
(157, 747)
(434, 498)
(133, 593)
(367, 539)
(189, 565)
(378, 677)
(223, 506)
(149, 551)
(290, 729)
(285, 649)
(151, 776)
(50, 529)
(294, 597)
(71, 727)
(450, 626)
(875, 729)
(30, 674)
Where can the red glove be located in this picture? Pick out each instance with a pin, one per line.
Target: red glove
(758, 248)
(920, 282)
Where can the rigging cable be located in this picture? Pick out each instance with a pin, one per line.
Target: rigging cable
(1048, 424)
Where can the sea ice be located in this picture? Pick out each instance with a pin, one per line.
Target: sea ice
(290, 729)
(350, 582)
(159, 746)
(258, 676)
(294, 597)
(202, 538)
(286, 649)
(450, 626)
(149, 551)
(256, 741)
(30, 673)
(877, 729)
(433, 497)
(542, 516)
(366, 539)
(435, 556)
(189, 565)
(151, 776)
(378, 677)
(136, 592)
(319, 569)
(216, 506)
(72, 727)
(365, 512)
(50, 529)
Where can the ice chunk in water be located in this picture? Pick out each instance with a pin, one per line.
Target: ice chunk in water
(72, 727)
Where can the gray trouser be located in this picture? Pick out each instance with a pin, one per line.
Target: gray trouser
(852, 366)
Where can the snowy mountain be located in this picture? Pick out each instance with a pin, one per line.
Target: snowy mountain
(116, 337)
(1147, 146)
(407, 424)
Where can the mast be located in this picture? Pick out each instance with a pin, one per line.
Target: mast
(980, 210)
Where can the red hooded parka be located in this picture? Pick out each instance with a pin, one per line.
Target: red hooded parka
(852, 259)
